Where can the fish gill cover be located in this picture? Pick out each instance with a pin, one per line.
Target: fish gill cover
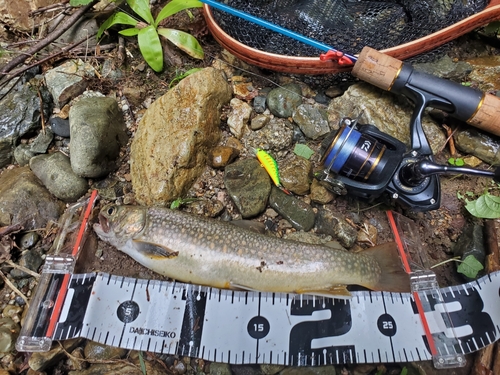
(348, 25)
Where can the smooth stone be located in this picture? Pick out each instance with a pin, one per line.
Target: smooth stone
(28, 240)
(282, 101)
(259, 121)
(311, 121)
(94, 350)
(29, 259)
(55, 172)
(23, 154)
(248, 185)
(9, 330)
(24, 200)
(98, 131)
(296, 174)
(333, 225)
(320, 194)
(220, 156)
(482, 145)
(59, 126)
(298, 213)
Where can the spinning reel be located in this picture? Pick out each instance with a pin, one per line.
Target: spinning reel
(365, 162)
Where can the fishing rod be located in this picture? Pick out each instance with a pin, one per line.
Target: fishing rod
(366, 162)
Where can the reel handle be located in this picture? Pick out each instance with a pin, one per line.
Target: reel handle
(463, 103)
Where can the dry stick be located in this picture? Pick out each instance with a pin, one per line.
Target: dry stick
(13, 287)
(39, 62)
(44, 42)
(63, 4)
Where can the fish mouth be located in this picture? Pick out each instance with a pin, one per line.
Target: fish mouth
(103, 221)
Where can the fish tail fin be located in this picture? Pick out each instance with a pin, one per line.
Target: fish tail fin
(393, 278)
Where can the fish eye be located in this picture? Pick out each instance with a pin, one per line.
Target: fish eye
(111, 210)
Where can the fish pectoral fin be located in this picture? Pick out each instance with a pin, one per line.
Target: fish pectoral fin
(235, 286)
(154, 251)
(336, 291)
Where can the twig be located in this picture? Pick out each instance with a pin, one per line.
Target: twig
(13, 287)
(9, 229)
(39, 62)
(22, 268)
(44, 42)
(451, 142)
(63, 4)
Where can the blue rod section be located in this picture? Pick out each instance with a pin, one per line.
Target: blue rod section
(274, 27)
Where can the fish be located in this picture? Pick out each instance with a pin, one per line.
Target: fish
(204, 251)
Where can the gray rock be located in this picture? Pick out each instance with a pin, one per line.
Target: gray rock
(55, 172)
(67, 81)
(238, 117)
(482, 145)
(19, 115)
(298, 213)
(389, 113)
(29, 259)
(445, 67)
(28, 240)
(170, 147)
(23, 199)
(275, 136)
(333, 225)
(39, 361)
(42, 142)
(311, 121)
(23, 154)
(282, 101)
(98, 132)
(248, 185)
(111, 71)
(259, 121)
(94, 350)
(60, 126)
(220, 369)
(259, 103)
(296, 174)
(9, 330)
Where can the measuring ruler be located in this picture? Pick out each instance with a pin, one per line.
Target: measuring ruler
(246, 327)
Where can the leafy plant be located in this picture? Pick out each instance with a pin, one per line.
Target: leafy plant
(148, 31)
(77, 3)
(487, 206)
(459, 162)
(178, 77)
(181, 201)
(469, 267)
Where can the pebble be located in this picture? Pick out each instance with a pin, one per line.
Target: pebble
(259, 121)
(94, 350)
(9, 330)
(29, 259)
(55, 172)
(334, 225)
(42, 142)
(23, 154)
(239, 117)
(282, 101)
(311, 121)
(298, 213)
(248, 185)
(28, 240)
(296, 174)
(59, 126)
(220, 156)
(320, 194)
(259, 103)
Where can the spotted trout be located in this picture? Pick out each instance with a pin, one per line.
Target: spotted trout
(209, 252)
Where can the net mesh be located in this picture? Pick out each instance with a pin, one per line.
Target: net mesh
(347, 25)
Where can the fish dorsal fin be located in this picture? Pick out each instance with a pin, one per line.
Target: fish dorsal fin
(153, 250)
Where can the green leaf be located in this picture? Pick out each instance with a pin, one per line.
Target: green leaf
(303, 150)
(470, 267)
(130, 32)
(404, 371)
(115, 19)
(487, 206)
(141, 7)
(181, 76)
(142, 363)
(459, 162)
(176, 6)
(150, 46)
(451, 161)
(184, 41)
(77, 3)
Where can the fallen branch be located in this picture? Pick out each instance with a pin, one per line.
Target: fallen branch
(13, 287)
(43, 42)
